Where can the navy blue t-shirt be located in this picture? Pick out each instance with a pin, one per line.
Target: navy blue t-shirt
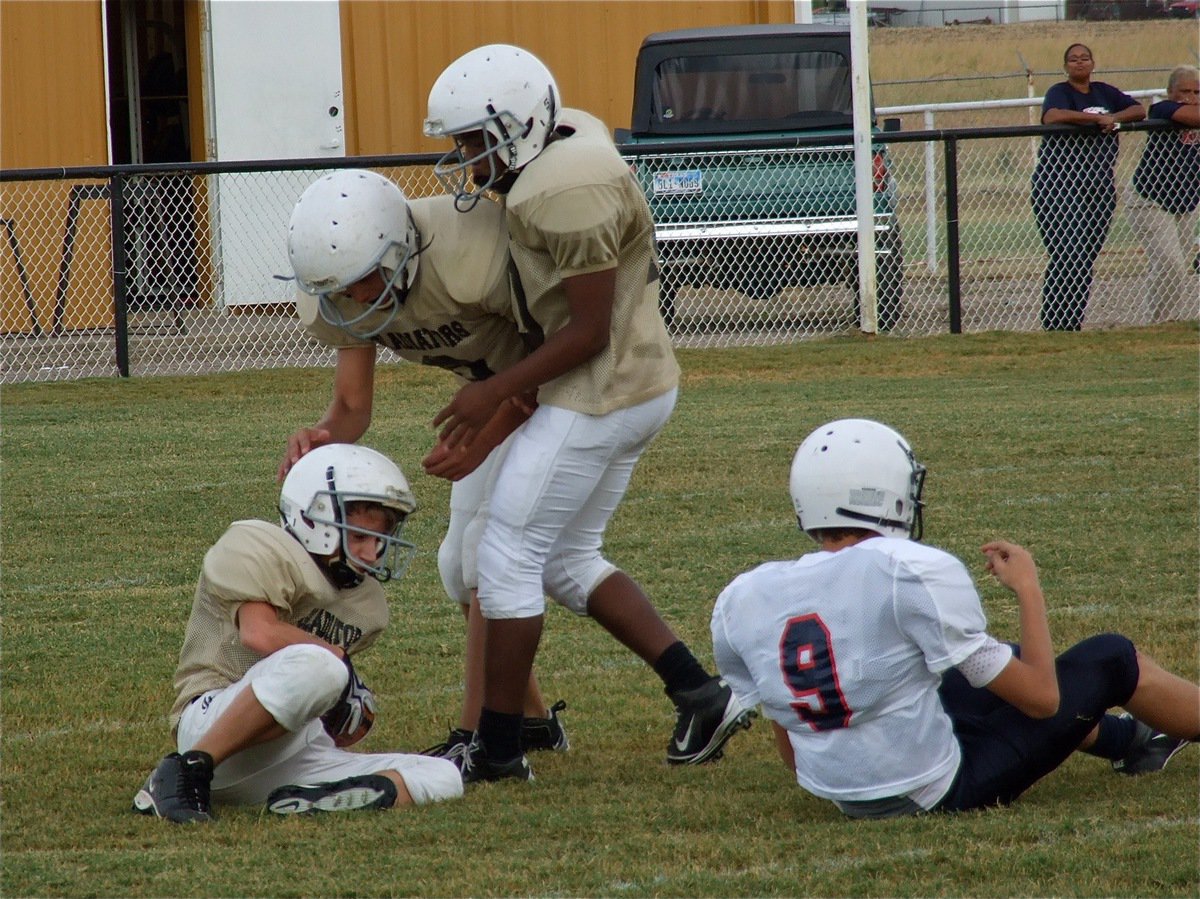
(1084, 158)
(1169, 171)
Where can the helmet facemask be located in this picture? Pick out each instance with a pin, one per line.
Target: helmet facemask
(455, 170)
(394, 553)
(396, 265)
(318, 505)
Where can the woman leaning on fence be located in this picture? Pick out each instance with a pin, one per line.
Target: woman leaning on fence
(1073, 190)
(1164, 196)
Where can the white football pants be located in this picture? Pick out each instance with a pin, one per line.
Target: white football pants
(470, 497)
(556, 490)
(297, 684)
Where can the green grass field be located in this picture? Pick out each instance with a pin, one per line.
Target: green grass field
(1082, 446)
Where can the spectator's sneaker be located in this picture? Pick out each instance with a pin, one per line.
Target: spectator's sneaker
(707, 717)
(350, 794)
(178, 789)
(545, 733)
(453, 748)
(1149, 751)
(478, 767)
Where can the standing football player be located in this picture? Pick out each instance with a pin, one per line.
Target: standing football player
(432, 286)
(872, 659)
(582, 244)
(267, 694)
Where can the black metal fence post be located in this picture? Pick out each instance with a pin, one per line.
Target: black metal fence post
(954, 284)
(119, 262)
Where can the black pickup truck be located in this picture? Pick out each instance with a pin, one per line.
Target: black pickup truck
(777, 208)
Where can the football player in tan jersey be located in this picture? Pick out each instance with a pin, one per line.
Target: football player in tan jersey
(267, 695)
(431, 285)
(582, 242)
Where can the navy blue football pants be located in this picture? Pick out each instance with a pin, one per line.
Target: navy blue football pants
(1004, 751)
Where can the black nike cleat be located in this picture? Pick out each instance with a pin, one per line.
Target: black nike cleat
(707, 717)
(178, 789)
(366, 791)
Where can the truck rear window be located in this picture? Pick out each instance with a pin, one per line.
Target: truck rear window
(751, 87)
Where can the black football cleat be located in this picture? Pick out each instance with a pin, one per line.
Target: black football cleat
(707, 717)
(539, 734)
(178, 789)
(1150, 751)
(366, 791)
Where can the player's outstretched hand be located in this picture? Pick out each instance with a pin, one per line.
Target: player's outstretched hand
(455, 464)
(300, 443)
(1012, 565)
(472, 408)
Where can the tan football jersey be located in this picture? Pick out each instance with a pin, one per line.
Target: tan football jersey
(577, 209)
(255, 561)
(458, 314)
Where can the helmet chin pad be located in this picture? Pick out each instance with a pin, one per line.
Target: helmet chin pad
(343, 575)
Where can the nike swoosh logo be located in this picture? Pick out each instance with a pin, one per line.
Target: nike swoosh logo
(681, 745)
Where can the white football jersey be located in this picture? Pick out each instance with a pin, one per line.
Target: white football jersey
(846, 650)
(458, 314)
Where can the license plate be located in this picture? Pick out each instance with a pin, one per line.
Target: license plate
(683, 182)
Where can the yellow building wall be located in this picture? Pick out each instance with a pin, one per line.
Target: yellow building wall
(52, 113)
(393, 51)
(52, 79)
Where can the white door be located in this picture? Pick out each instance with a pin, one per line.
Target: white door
(274, 92)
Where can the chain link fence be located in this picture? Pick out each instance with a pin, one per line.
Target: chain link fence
(189, 286)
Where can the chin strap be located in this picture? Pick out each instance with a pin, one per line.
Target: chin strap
(343, 575)
(873, 519)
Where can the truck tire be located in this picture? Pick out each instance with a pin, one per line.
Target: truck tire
(889, 279)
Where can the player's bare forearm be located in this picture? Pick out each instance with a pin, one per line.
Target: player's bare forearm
(261, 631)
(343, 423)
(564, 350)
(349, 412)
(783, 745)
(1030, 682)
(590, 300)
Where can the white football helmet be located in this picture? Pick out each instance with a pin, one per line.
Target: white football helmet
(312, 506)
(503, 91)
(856, 473)
(346, 225)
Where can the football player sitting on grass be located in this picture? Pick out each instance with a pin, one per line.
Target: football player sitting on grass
(267, 694)
(872, 659)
